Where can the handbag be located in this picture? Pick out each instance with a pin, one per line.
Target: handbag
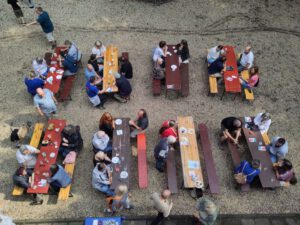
(240, 177)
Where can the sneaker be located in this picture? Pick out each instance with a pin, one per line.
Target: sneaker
(101, 107)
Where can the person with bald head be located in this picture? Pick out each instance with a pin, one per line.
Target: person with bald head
(162, 204)
(101, 142)
(45, 102)
(89, 72)
(231, 129)
(246, 60)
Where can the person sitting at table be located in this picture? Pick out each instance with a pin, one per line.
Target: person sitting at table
(40, 67)
(59, 178)
(216, 68)
(246, 172)
(101, 157)
(285, 172)
(73, 51)
(101, 142)
(214, 53)
(45, 102)
(27, 156)
(126, 68)
(95, 95)
(169, 128)
(102, 179)
(161, 152)
(107, 124)
(160, 52)
(263, 121)
(97, 67)
(278, 148)
(183, 51)
(231, 129)
(89, 72)
(68, 63)
(99, 49)
(124, 88)
(33, 82)
(158, 70)
(246, 60)
(140, 124)
(252, 81)
(71, 140)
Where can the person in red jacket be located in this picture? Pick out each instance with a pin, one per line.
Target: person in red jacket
(168, 128)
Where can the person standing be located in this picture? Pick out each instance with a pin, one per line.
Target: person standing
(45, 102)
(17, 10)
(162, 204)
(207, 211)
(46, 24)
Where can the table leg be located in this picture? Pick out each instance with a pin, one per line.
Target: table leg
(222, 94)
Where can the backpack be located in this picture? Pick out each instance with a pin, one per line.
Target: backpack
(240, 177)
(160, 164)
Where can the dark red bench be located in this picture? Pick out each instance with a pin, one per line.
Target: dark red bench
(208, 159)
(171, 173)
(66, 90)
(142, 160)
(184, 76)
(236, 161)
(156, 87)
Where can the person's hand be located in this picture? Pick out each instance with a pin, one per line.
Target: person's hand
(235, 141)
(65, 144)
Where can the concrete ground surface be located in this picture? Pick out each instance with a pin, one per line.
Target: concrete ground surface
(273, 29)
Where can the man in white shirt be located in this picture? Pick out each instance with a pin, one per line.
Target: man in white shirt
(160, 52)
(162, 204)
(214, 53)
(246, 60)
(40, 67)
(99, 49)
(263, 121)
(27, 156)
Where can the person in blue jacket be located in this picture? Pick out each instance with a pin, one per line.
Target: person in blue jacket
(33, 82)
(251, 171)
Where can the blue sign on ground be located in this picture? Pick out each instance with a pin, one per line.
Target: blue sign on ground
(103, 221)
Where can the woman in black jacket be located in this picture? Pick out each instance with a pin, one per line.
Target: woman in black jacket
(71, 140)
(183, 51)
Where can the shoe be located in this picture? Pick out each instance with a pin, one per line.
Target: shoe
(101, 107)
(37, 202)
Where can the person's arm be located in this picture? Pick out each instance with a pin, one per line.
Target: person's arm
(227, 134)
(39, 111)
(237, 135)
(133, 123)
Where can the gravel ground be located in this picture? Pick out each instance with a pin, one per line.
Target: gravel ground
(273, 29)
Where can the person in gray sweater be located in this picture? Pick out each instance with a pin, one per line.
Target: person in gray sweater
(102, 179)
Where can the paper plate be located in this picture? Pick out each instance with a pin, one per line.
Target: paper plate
(52, 69)
(118, 121)
(58, 77)
(60, 71)
(123, 175)
(52, 155)
(173, 67)
(115, 160)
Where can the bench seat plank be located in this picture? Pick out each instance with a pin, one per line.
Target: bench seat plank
(213, 85)
(248, 94)
(142, 160)
(66, 91)
(64, 192)
(171, 173)
(156, 87)
(184, 75)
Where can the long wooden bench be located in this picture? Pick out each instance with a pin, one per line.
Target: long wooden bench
(236, 161)
(142, 160)
(34, 142)
(208, 159)
(64, 193)
(65, 92)
(156, 87)
(213, 85)
(171, 173)
(248, 93)
(184, 75)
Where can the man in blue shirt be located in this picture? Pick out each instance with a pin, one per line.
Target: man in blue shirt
(70, 66)
(94, 94)
(32, 82)
(217, 66)
(249, 170)
(59, 178)
(46, 24)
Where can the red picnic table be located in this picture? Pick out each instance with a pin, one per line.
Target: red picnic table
(231, 77)
(173, 81)
(46, 158)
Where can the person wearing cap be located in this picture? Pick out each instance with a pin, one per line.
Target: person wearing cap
(40, 67)
(278, 148)
(124, 88)
(162, 204)
(27, 156)
(263, 121)
(45, 102)
(101, 142)
(33, 82)
(95, 95)
(73, 51)
(214, 53)
(99, 50)
(246, 60)
(207, 211)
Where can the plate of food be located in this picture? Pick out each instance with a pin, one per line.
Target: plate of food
(52, 155)
(115, 160)
(52, 69)
(60, 71)
(123, 175)
(118, 121)
(58, 77)
(45, 142)
(50, 126)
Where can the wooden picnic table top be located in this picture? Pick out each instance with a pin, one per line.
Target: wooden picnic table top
(122, 150)
(191, 166)
(42, 166)
(110, 67)
(173, 81)
(255, 142)
(231, 78)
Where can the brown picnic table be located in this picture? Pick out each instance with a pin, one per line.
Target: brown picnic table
(121, 152)
(258, 151)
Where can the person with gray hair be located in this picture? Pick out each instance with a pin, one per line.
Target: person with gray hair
(246, 60)
(45, 102)
(162, 204)
(124, 88)
(101, 142)
(27, 156)
(40, 67)
(73, 51)
(207, 211)
(99, 49)
(161, 152)
(263, 121)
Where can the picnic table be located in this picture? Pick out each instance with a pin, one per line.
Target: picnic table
(110, 67)
(231, 77)
(258, 151)
(103, 221)
(191, 166)
(173, 81)
(121, 152)
(46, 158)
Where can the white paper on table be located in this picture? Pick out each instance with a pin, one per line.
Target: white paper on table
(173, 47)
(42, 183)
(170, 86)
(60, 71)
(52, 69)
(58, 77)
(173, 67)
(229, 79)
(234, 76)
(175, 51)
(119, 132)
(109, 89)
(50, 80)
(169, 53)
(192, 164)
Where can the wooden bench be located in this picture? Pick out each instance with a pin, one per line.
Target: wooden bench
(142, 160)
(171, 173)
(213, 85)
(156, 87)
(34, 142)
(64, 193)
(248, 93)
(208, 159)
(266, 138)
(184, 75)
(236, 161)
(65, 92)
